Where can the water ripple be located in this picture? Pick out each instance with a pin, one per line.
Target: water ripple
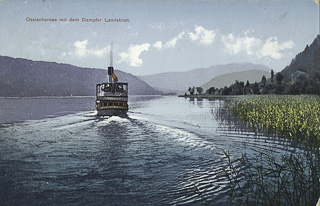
(150, 157)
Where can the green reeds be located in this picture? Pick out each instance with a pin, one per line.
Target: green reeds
(267, 179)
(272, 179)
(294, 117)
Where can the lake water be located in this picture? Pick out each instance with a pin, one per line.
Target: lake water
(167, 151)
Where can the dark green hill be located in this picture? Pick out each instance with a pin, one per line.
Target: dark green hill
(307, 61)
(230, 78)
(22, 78)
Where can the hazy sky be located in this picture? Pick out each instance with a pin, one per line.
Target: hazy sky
(159, 36)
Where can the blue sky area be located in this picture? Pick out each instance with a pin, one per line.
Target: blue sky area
(159, 36)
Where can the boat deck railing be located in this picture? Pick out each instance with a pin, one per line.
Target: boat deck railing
(112, 89)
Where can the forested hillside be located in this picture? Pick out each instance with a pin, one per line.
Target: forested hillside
(22, 77)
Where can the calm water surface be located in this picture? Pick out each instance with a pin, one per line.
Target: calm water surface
(167, 151)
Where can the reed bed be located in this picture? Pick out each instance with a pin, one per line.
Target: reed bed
(294, 117)
(265, 178)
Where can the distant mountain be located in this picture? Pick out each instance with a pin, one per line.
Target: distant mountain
(307, 61)
(22, 77)
(302, 76)
(181, 81)
(228, 79)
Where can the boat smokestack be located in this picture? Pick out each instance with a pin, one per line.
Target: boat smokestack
(110, 72)
(110, 68)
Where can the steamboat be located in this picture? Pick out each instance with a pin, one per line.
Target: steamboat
(111, 96)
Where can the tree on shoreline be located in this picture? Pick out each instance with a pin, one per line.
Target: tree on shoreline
(199, 90)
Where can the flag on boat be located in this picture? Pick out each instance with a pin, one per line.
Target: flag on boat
(114, 77)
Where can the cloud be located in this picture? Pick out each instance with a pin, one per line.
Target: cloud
(273, 49)
(81, 50)
(250, 45)
(160, 26)
(269, 48)
(202, 35)
(132, 54)
(158, 45)
(172, 43)
(248, 31)
(166, 26)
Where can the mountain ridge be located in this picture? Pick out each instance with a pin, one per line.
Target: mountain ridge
(301, 76)
(168, 81)
(306, 61)
(23, 77)
(228, 79)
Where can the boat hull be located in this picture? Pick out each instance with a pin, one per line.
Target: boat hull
(111, 112)
(111, 108)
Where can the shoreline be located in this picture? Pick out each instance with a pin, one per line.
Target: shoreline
(209, 96)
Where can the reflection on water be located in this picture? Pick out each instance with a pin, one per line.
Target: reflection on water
(19, 109)
(167, 151)
(229, 124)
